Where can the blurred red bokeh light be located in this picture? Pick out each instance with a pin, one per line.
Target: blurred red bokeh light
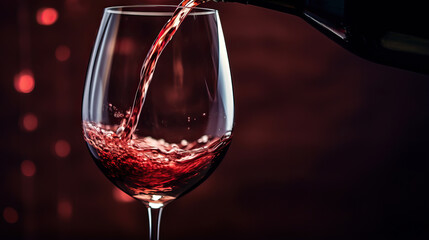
(24, 82)
(62, 148)
(28, 168)
(46, 16)
(10, 215)
(126, 46)
(62, 53)
(65, 209)
(30, 122)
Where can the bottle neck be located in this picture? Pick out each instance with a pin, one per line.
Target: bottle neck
(325, 15)
(294, 7)
(325, 11)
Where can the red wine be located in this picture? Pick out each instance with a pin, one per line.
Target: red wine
(129, 125)
(153, 170)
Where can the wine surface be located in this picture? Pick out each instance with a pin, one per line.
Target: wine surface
(150, 169)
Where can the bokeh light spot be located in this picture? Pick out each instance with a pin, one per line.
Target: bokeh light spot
(24, 81)
(77, 6)
(65, 209)
(120, 196)
(10, 215)
(28, 168)
(62, 148)
(30, 122)
(126, 46)
(62, 53)
(46, 16)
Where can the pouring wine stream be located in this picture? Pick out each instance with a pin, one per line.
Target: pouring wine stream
(129, 125)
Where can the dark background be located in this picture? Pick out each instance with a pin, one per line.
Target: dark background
(326, 145)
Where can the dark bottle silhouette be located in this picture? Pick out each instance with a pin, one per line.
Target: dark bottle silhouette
(394, 33)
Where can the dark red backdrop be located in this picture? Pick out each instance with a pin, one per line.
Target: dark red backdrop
(327, 145)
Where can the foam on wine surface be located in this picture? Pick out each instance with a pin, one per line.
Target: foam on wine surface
(153, 170)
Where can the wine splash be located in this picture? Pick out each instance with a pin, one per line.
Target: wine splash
(152, 170)
(129, 124)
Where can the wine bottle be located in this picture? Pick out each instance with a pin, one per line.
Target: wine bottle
(393, 33)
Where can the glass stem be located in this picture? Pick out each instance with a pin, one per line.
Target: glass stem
(154, 222)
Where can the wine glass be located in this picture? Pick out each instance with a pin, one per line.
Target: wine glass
(186, 121)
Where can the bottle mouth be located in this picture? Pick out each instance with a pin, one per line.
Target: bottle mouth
(155, 10)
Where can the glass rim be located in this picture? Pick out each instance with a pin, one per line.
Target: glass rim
(196, 11)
